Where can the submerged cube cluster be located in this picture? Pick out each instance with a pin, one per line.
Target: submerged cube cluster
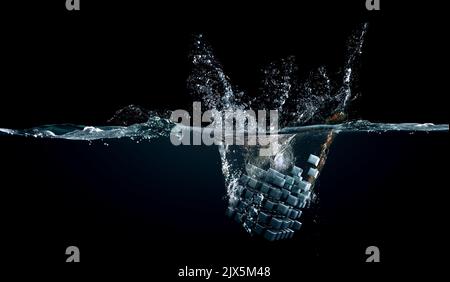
(270, 203)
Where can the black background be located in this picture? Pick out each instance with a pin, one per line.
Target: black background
(79, 67)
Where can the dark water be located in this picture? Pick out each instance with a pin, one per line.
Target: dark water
(128, 202)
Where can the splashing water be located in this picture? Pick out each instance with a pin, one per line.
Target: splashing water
(155, 127)
(160, 127)
(312, 113)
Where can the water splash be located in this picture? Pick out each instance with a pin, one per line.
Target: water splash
(159, 127)
(155, 127)
(312, 112)
(208, 82)
(318, 98)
